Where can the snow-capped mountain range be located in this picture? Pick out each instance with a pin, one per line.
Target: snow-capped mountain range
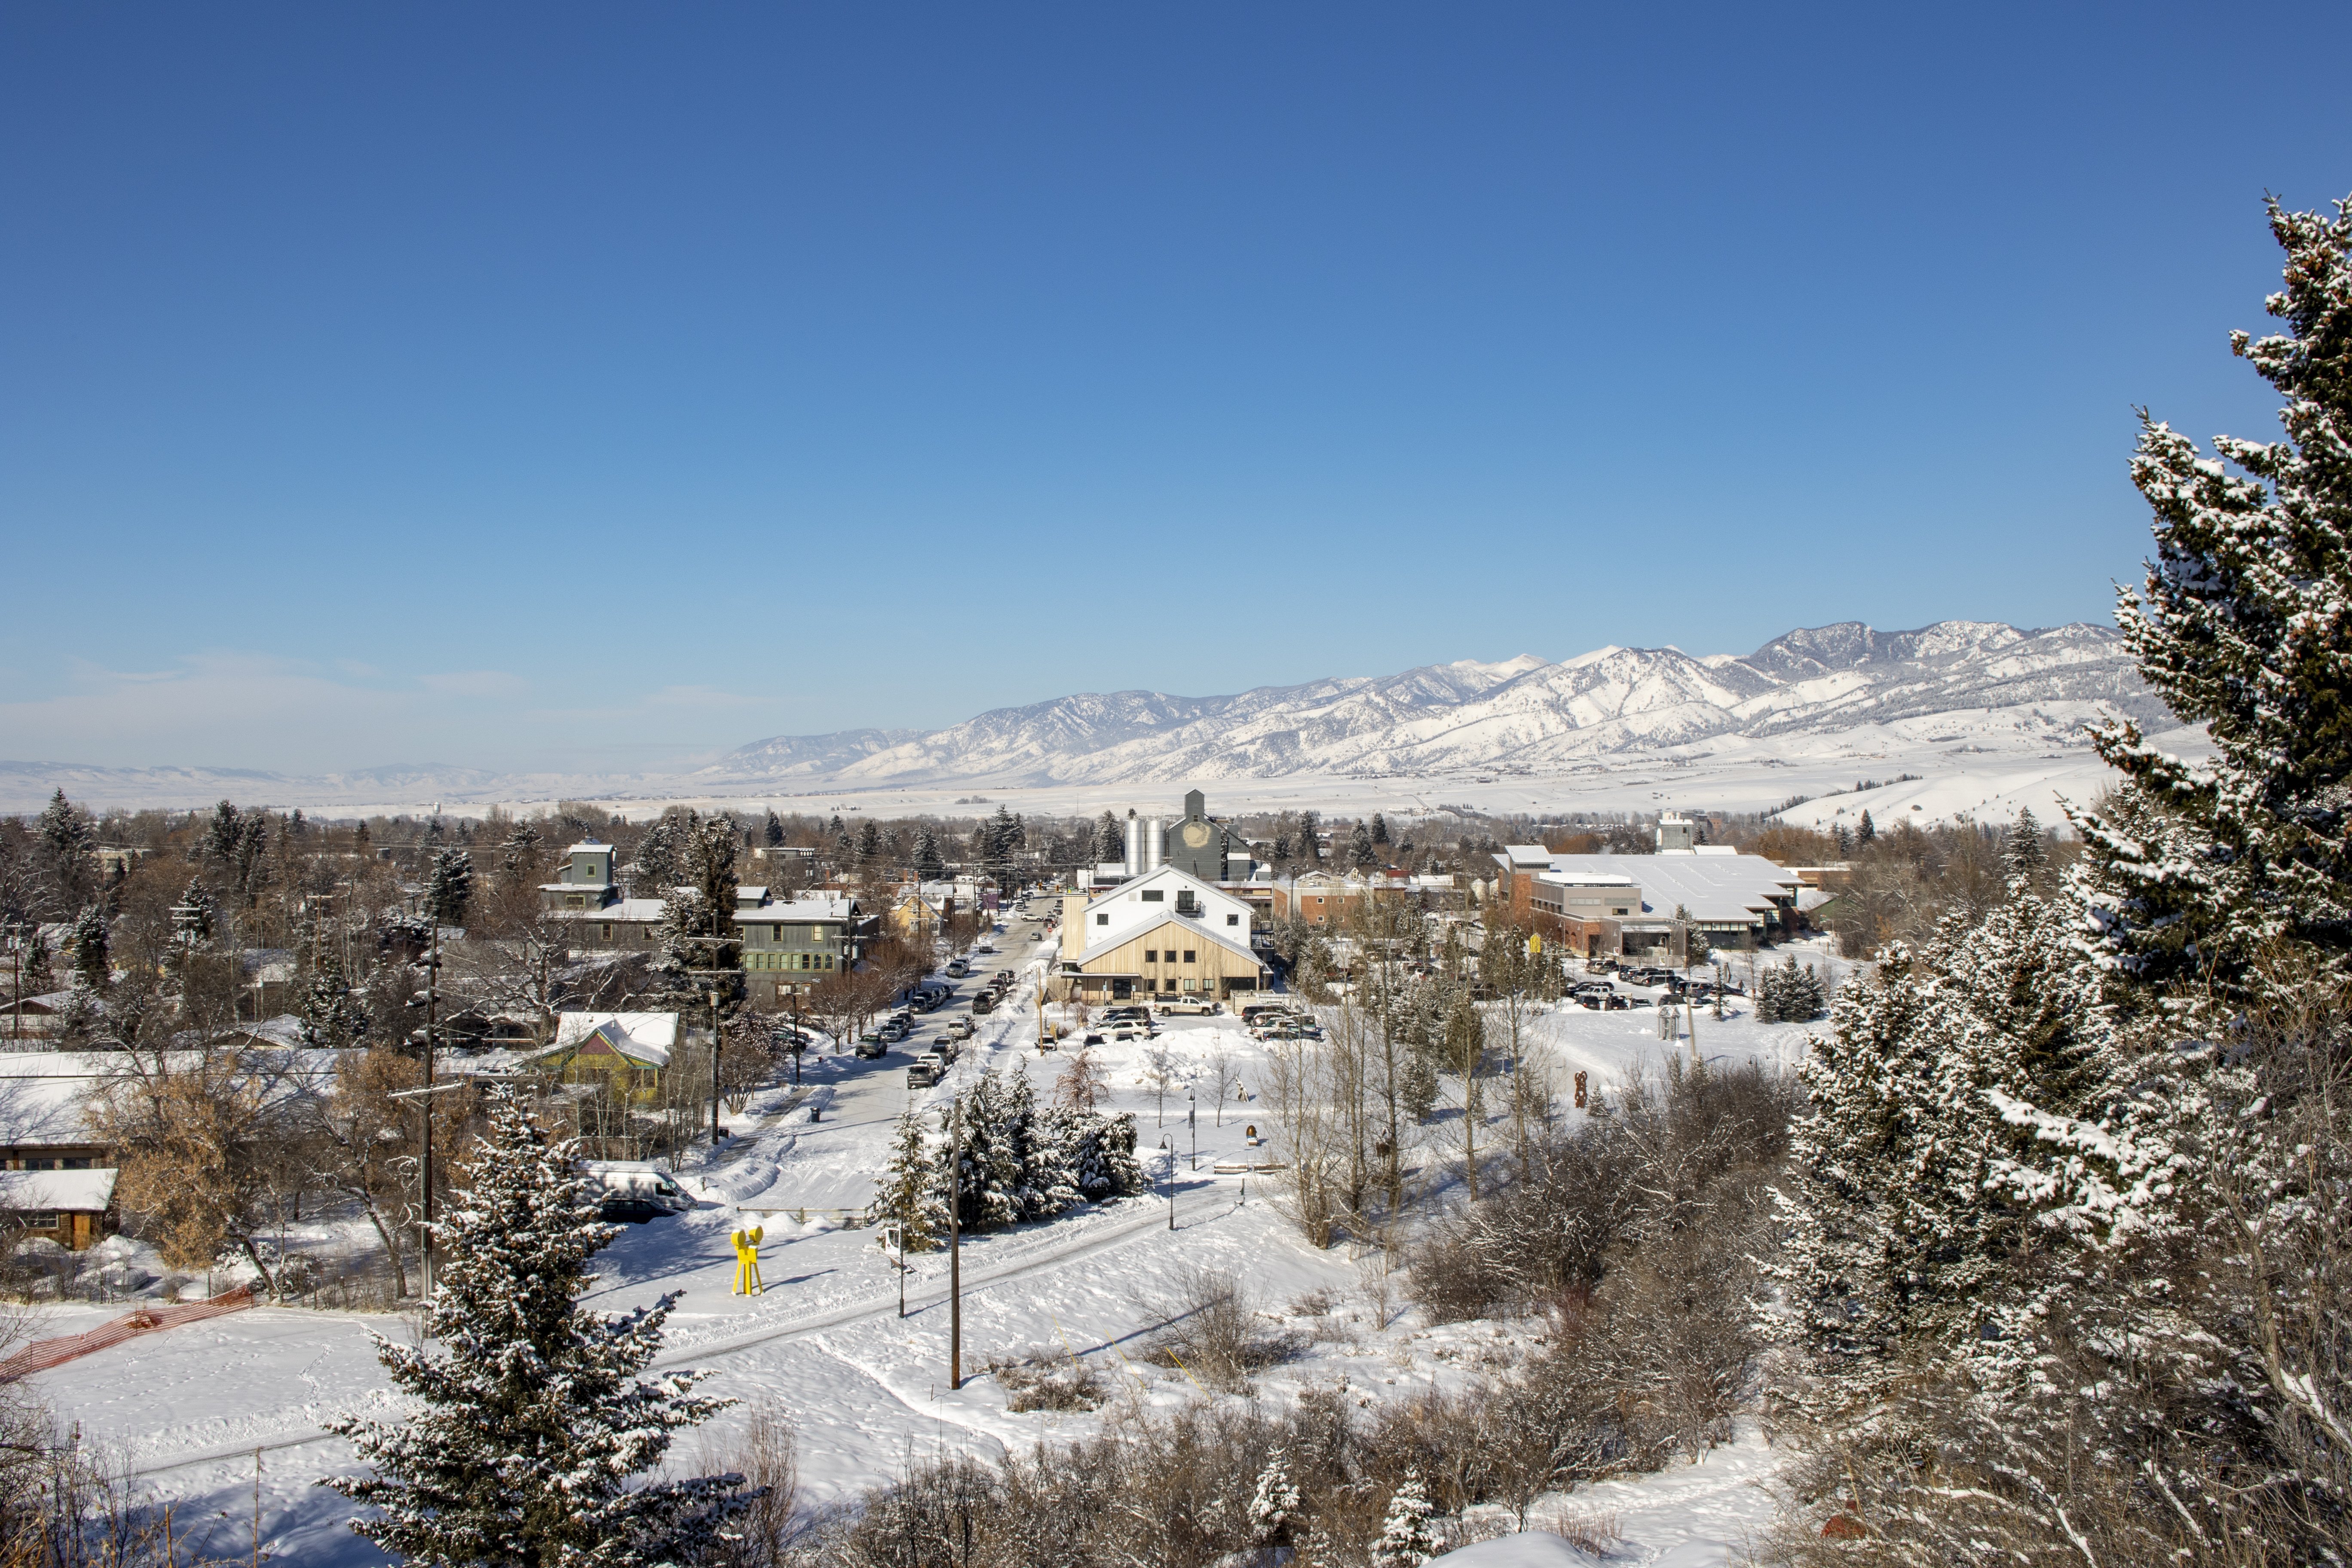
(1976, 678)
(1815, 695)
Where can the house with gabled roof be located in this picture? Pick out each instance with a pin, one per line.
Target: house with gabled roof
(625, 1053)
(1166, 933)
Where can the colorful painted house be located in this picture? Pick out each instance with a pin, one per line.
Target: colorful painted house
(622, 1053)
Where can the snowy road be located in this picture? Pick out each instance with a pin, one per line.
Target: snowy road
(865, 1390)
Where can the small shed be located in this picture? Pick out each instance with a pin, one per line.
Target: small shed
(73, 1208)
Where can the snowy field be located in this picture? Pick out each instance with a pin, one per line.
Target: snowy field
(868, 1391)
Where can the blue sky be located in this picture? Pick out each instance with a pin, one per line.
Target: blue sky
(573, 386)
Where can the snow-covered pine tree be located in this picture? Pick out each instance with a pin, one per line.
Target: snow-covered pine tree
(330, 1017)
(1049, 1175)
(38, 978)
(929, 866)
(1865, 833)
(449, 887)
(532, 1426)
(1106, 845)
(1360, 853)
(1303, 846)
(912, 1189)
(1273, 1509)
(2024, 857)
(1103, 1158)
(1405, 1540)
(1905, 1231)
(772, 831)
(85, 947)
(2242, 627)
(983, 1122)
(65, 851)
(1380, 828)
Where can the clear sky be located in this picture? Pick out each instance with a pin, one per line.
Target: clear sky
(587, 386)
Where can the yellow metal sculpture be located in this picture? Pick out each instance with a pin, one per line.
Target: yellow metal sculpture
(747, 1262)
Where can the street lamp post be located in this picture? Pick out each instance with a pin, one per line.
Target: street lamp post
(1193, 1121)
(1165, 1144)
(714, 1072)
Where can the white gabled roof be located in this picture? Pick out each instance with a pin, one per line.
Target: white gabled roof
(74, 1191)
(1193, 928)
(652, 1036)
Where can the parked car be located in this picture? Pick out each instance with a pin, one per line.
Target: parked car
(961, 1028)
(985, 947)
(635, 1191)
(957, 968)
(922, 1075)
(1193, 1005)
(984, 1004)
(872, 1045)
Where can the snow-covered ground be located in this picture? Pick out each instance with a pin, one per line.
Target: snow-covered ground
(868, 1390)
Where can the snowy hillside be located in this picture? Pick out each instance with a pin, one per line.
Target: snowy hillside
(1521, 715)
(1739, 732)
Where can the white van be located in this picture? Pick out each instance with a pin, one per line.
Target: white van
(635, 1191)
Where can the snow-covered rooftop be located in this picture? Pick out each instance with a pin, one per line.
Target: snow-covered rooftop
(1712, 888)
(52, 1190)
(798, 911)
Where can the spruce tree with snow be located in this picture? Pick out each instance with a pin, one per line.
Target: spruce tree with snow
(929, 866)
(2024, 857)
(1360, 854)
(1787, 994)
(85, 947)
(330, 1014)
(532, 1429)
(1106, 845)
(449, 887)
(1274, 1508)
(1380, 829)
(771, 832)
(1902, 1234)
(1405, 1540)
(37, 978)
(911, 1189)
(2242, 627)
(1865, 833)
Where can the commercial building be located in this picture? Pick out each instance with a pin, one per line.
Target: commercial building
(1651, 904)
(1163, 933)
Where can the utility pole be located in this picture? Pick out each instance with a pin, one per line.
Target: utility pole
(955, 1243)
(431, 1001)
(1193, 1121)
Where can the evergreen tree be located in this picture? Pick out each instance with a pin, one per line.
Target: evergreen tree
(929, 866)
(2024, 857)
(2240, 627)
(1787, 994)
(1380, 828)
(1107, 846)
(330, 1014)
(1273, 1509)
(869, 842)
(449, 887)
(519, 858)
(86, 946)
(1406, 1540)
(1361, 855)
(532, 1424)
(912, 1188)
(1305, 847)
(1843, 837)
(195, 918)
(1864, 834)
(1903, 1236)
(38, 978)
(65, 851)
(773, 831)
(661, 857)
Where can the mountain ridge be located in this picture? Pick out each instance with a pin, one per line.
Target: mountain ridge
(1978, 685)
